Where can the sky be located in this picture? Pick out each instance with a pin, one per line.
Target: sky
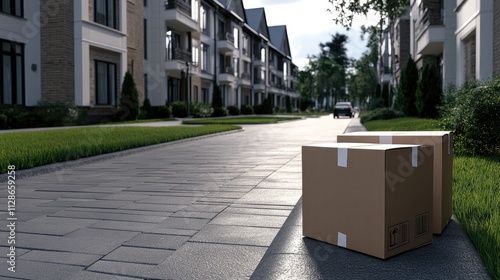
(310, 24)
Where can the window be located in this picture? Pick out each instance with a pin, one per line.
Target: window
(105, 83)
(11, 73)
(12, 7)
(194, 10)
(236, 65)
(285, 71)
(145, 39)
(204, 95)
(174, 89)
(236, 37)
(105, 13)
(204, 57)
(263, 55)
(263, 75)
(194, 56)
(195, 91)
(204, 19)
(245, 44)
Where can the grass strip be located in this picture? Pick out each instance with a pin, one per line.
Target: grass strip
(242, 120)
(476, 192)
(403, 124)
(36, 148)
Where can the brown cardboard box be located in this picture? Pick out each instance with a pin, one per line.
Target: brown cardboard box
(371, 198)
(443, 163)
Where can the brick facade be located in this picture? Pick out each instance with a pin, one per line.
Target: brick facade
(57, 52)
(135, 44)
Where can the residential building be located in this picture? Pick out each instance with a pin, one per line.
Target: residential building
(461, 37)
(78, 52)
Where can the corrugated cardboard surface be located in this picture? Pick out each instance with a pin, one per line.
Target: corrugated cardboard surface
(359, 205)
(443, 163)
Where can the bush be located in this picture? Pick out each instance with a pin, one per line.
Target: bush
(305, 104)
(265, 108)
(179, 109)
(3, 121)
(473, 113)
(16, 116)
(145, 112)
(428, 96)
(159, 112)
(246, 109)
(380, 114)
(288, 104)
(129, 100)
(55, 114)
(201, 110)
(405, 99)
(219, 110)
(233, 110)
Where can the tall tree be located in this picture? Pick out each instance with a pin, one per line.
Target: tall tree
(429, 92)
(405, 98)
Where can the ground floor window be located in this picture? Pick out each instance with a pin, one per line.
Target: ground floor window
(105, 83)
(204, 95)
(11, 72)
(174, 90)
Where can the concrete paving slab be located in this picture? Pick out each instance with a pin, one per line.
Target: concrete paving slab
(124, 226)
(107, 216)
(43, 228)
(135, 270)
(89, 275)
(211, 261)
(233, 219)
(160, 241)
(39, 271)
(192, 214)
(66, 221)
(89, 233)
(68, 258)
(271, 197)
(138, 255)
(167, 200)
(240, 235)
(152, 207)
(183, 223)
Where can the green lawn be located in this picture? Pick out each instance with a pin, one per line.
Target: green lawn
(36, 148)
(242, 120)
(403, 124)
(476, 193)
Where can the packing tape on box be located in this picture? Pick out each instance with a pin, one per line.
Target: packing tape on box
(385, 139)
(414, 156)
(341, 239)
(342, 157)
(449, 143)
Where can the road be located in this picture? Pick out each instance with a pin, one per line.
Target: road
(201, 209)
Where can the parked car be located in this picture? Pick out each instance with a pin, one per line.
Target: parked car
(343, 109)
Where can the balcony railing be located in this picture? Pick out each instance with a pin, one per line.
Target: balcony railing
(178, 54)
(245, 76)
(226, 36)
(258, 80)
(227, 70)
(428, 18)
(179, 5)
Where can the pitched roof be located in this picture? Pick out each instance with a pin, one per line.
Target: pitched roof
(256, 19)
(279, 38)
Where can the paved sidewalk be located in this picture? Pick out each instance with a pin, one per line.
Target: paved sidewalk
(292, 256)
(202, 209)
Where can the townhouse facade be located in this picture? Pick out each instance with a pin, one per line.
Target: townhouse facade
(461, 37)
(78, 52)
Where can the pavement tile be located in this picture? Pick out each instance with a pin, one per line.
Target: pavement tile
(104, 204)
(118, 235)
(65, 221)
(217, 200)
(200, 207)
(233, 219)
(124, 226)
(26, 269)
(61, 257)
(192, 214)
(257, 211)
(107, 216)
(138, 255)
(99, 246)
(183, 223)
(43, 228)
(159, 241)
(128, 269)
(168, 200)
(211, 261)
(171, 231)
(241, 235)
(272, 197)
(89, 275)
(152, 207)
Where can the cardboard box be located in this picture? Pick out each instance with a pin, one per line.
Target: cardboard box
(371, 198)
(443, 163)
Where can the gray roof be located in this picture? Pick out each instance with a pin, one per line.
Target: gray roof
(254, 16)
(279, 38)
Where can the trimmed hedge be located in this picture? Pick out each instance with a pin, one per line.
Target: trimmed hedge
(380, 114)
